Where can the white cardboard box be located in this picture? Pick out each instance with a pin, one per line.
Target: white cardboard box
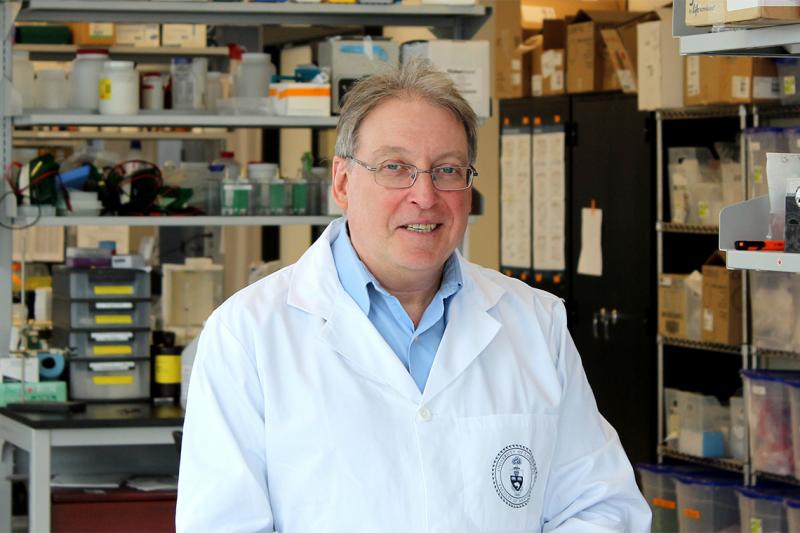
(659, 64)
(139, 35)
(467, 63)
(184, 35)
(301, 99)
(10, 367)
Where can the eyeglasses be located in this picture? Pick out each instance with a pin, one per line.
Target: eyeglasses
(402, 176)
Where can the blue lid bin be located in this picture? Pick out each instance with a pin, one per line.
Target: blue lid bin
(761, 510)
(792, 507)
(658, 487)
(707, 503)
(769, 415)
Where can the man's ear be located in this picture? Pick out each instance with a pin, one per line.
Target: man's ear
(340, 170)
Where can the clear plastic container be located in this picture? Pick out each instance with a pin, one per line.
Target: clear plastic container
(101, 315)
(789, 79)
(100, 283)
(737, 444)
(658, 487)
(707, 503)
(759, 141)
(792, 140)
(261, 176)
(109, 380)
(702, 419)
(280, 197)
(52, 91)
(773, 297)
(792, 506)
(769, 416)
(761, 510)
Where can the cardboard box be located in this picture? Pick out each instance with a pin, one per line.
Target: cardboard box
(138, 35)
(93, 33)
(467, 63)
(659, 70)
(535, 12)
(678, 306)
(350, 59)
(546, 63)
(714, 80)
(589, 66)
(744, 12)
(184, 35)
(722, 302)
(647, 5)
(11, 369)
(508, 59)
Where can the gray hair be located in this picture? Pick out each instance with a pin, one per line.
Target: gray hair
(417, 78)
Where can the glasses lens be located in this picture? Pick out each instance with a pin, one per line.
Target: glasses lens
(394, 175)
(451, 178)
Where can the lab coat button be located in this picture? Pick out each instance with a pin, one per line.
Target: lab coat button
(424, 414)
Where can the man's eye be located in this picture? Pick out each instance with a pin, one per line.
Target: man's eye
(448, 170)
(392, 166)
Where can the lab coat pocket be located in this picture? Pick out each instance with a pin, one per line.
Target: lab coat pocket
(505, 460)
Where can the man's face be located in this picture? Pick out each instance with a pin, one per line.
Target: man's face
(417, 133)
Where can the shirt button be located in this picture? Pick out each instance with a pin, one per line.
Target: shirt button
(424, 414)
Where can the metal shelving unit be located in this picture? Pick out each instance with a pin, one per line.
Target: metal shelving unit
(42, 136)
(175, 119)
(731, 465)
(119, 51)
(177, 221)
(671, 227)
(789, 480)
(733, 349)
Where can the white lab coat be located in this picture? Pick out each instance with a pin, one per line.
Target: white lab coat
(301, 419)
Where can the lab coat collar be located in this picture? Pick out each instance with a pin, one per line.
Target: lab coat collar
(315, 289)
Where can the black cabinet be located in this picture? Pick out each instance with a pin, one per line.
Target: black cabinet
(610, 163)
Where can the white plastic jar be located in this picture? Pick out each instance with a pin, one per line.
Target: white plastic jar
(22, 76)
(84, 78)
(152, 91)
(119, 88)
(52, 91)
(252, 80)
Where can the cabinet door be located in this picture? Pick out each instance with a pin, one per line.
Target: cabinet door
(614, 314)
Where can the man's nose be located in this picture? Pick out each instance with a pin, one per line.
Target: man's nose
(423, 193)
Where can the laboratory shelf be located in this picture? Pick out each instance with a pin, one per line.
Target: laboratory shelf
(777, 354)
(174, 119)
(705, 112)
(175, 221)
(464, 19)
(734, 349)
(731, 465)
(791, 480)
(41, 135)
(772, 261)
(674, 227)
(71, 49)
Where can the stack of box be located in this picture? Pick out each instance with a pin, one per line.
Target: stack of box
(103, 315)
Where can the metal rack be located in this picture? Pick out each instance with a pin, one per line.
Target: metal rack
(731, 465)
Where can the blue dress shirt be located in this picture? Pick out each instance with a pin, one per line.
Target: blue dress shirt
(415, 348)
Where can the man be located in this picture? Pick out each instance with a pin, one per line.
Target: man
(384, 384)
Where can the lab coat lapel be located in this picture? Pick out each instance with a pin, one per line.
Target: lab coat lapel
(315, 289)
(470, 329)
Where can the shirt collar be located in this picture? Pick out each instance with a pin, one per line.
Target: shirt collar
(356, 278)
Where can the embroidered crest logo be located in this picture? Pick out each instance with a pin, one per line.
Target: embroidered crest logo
(514, 474)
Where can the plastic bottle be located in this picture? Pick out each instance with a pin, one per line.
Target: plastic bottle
(187, 361)
(232, 168)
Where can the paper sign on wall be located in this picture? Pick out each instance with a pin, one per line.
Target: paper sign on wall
(590, 261)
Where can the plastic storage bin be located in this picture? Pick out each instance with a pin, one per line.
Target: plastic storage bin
(101, 314)
(767, 403)
(737, 445)
(100, 283)
(792, 507)
(658, 486)
(707, 503)
(702, 420)
(794, 409)
(775, 311)
(104, 343)
(789, 80)
(761, 510)
(759, 141)
(96, 380)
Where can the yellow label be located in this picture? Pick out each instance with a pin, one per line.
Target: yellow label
(104, 89)
(113, 319)
(112, 380)
(756, 525)
(789, 85)
(757, 175)
(168, 369)
(115, 290)
(112, 349)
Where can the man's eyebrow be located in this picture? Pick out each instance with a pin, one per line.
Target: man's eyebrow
(399, 150)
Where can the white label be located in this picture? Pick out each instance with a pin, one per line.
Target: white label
(516, 78)
(693, 75)
(536, 85)
(557, 81)
(759, 389)
(627, 81)
(738, 5)
(112, 366)
(101, 30)
(114, 305)
(516, 64)
(548, 65)
(467, 81)
(536, 15)
(789, 85)
(755, 146)
(766, 88)
(123, 336)
(708, 320)
(740, 87)
(666, 281)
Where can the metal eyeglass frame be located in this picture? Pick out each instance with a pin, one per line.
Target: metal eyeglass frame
(471, 173)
